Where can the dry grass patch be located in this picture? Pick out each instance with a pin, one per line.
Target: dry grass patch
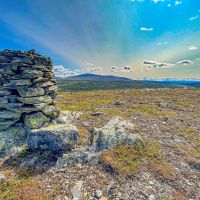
(23, 189)
(162, 169)
(127, 160)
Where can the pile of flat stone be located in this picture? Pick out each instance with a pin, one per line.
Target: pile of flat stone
(27, 90)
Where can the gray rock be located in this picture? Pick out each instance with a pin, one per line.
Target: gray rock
(3, 100)
(2, 178)
(98, 194)
(44, 84)
(76, 190)
(10, 105)
(67, 117)
(4, 92)
(50, 89)
(35, 120)
(20, 82)
(7, 123)
(35, 100)
(29, 73)
(116, 132)
(9, 114)
(30, 92)
(40, 79)
(54, 138)
(50, 111)
(28, 109)
(80, 155)
(14, 136)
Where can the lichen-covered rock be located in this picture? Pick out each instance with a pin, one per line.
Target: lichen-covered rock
(13, 136)
(116, 131)
(67, 117)
(35, 120)
(53, 138)
(50, 111)
(79, 155)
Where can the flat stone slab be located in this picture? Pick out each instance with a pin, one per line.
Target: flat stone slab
(35, 100)
(35, 120)
(7, 123)
(53, 138)
(21, 82)
(9, 114)
(30, 92)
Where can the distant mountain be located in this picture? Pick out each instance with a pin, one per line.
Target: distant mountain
(183, 83)
(86, 82)
(95, 77)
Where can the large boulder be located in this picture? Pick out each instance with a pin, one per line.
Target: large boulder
(35, 120)
(53, 138)
(116, 131)
(12, 137)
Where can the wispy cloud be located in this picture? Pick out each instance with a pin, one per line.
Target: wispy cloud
(184, 62)
(146, 29)
(156, 1)
(157, 65)
(126, 69)
(178, 3)
(193, 18)
(193, 48)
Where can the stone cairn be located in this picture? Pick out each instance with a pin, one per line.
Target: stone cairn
(27, 90)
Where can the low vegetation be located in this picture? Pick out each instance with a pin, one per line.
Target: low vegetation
(128, 160)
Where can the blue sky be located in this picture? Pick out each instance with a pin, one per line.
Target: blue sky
(133, 38)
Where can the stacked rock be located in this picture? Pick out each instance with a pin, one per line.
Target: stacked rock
(27, 90)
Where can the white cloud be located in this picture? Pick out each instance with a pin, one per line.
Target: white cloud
(58, 68)
(184, 62)
(126, 69)
(178, 3)
(156, 1)
(193, 48)
(153, 64)
(193, 18)
(146, 29)
(169, 5)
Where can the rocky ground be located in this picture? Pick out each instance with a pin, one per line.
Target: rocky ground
(166, 166)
